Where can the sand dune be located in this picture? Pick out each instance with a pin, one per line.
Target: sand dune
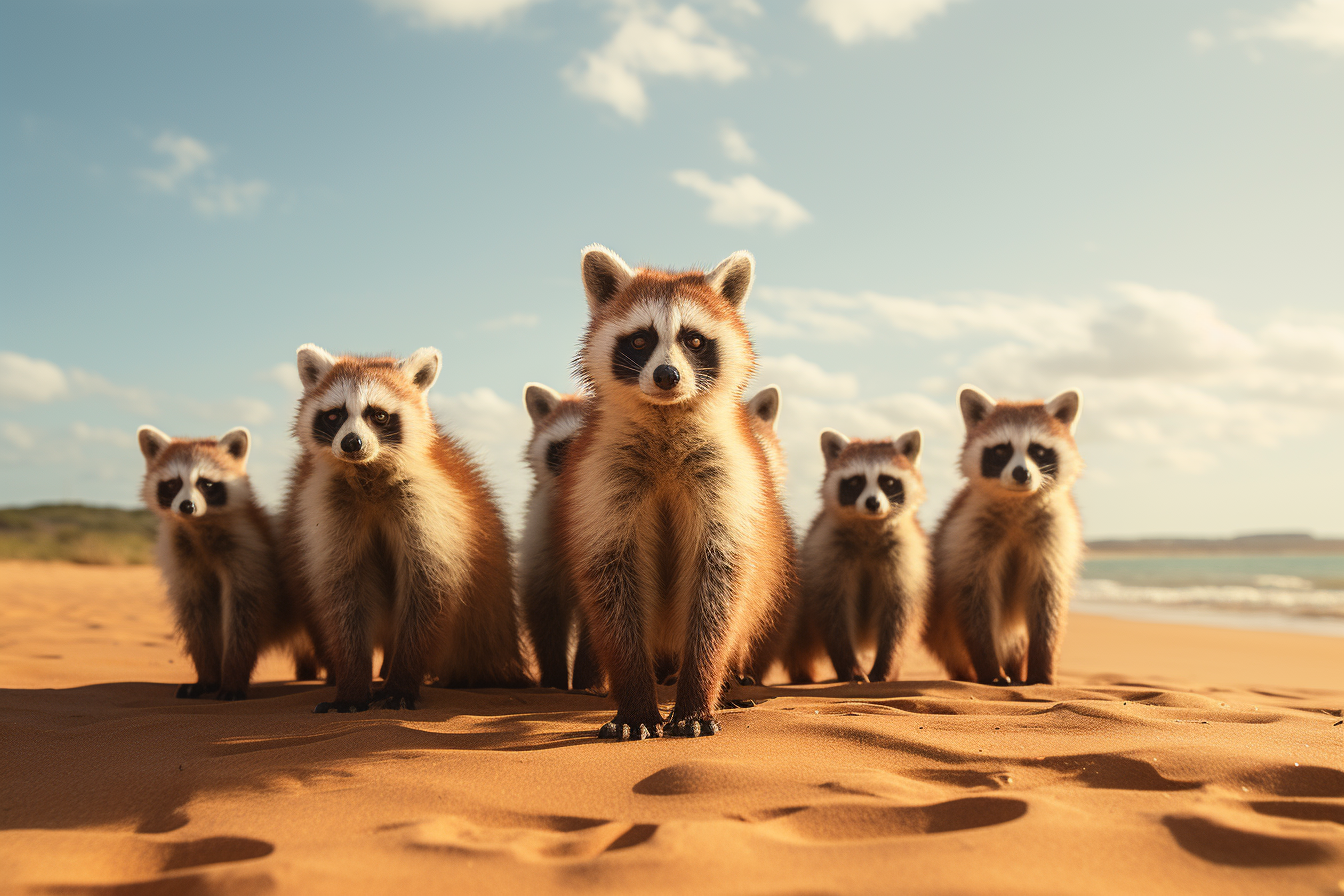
(1168, 759)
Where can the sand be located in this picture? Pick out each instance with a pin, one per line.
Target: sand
(1168, 759)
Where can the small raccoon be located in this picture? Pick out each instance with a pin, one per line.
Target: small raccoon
(863, 570)
(671, 524)
(394, 536)
(217, 554)
(1006, 552)
(550, 603)
(764, 410)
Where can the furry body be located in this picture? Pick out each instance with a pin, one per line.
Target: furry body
(671, 525)
(863, 570)
(394, 537)
(549, 600)
(1007, 549)
(217, 554)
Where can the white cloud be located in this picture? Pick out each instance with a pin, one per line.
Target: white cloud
(17, 435)
(455, 13)
(735, 145)
(102, 435)
(286, 375)
(25, 379)
(744, 201)
(797, 376)
(510, 321)
(231, 412)
(482, 419)
(651, 41)
(854, 21)
(129, 398)
(189, 172)
(1317, 24)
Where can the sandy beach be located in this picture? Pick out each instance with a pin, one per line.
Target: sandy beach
(1168, 759)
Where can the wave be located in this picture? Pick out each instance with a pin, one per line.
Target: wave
(1277, 594)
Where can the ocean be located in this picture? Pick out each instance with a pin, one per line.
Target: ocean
(1272, 592)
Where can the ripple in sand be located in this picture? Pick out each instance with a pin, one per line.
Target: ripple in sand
(1301, 811)
(863, 821)
(1221, 844)
(527, 838)
(702, 777)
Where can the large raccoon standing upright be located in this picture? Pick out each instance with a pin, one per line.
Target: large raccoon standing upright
(672, 527)
(863, 571)
(1006, 552)
(550, 603)
(395, 536)
(218, 558)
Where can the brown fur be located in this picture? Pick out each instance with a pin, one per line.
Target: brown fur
(671, 525)
(407, 550)
(1005, 563)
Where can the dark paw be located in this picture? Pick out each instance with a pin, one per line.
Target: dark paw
(231, 695)
(702, 727)
(341, 706)
(199, 689)
(383, 700)
(1001, 681)
(629, 728)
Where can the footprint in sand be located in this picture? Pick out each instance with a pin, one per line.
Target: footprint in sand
(1303, 811)
(862, 821)
(1222, 844)
(527, 838)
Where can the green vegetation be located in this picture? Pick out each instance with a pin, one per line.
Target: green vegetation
(77, 533)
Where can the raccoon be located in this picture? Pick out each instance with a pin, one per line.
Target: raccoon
(672, 528)
(864, 566)
(1006, 552)
(550, 604)
(218, 558)
(763, 409)
(394, 536)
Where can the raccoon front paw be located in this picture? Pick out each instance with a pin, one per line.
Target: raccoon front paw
(858, 676)
(1001, 681)
(697, 726)
(341, 706)
(628, 727)
(199, 689)
(231, 695)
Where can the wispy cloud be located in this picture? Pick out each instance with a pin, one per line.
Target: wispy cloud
(744, 201)
(189, 171)
(455, 13)
(1317, 24)
(735, 145)
(510, 322)
(653, 42)
(30, 380)
(855, 21)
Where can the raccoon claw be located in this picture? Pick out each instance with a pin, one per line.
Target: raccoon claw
(735, 703)
(340, 706)
(192, 691)
(394, 701)
(702, 727)
(624, 729)
(231, 695)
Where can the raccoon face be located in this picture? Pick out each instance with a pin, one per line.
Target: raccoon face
(872, 480)
(361, 410)
(188, 479)
(666, 339)
(1020, 448)
(556, 420)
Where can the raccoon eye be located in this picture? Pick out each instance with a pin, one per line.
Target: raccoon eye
(694, 342)
(380, 417)
(886, 482)
(639, 342)
(1004, 451)
(333, 416)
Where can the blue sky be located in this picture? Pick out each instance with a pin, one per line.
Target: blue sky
(1142, 199)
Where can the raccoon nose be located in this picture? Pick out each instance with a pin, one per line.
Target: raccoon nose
(872, 503)
(1020, 475)
(666, 376)
(187, 507)
(352, 444)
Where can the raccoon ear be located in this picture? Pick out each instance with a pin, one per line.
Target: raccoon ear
(423, 367)
(911, 444)
(765, 404)
(832, 443)
(152, 441)
(237, 442)
(539, 400)
(1065, 408)
(975, 405)
(314, 363)
(604, 275)
(732, 277)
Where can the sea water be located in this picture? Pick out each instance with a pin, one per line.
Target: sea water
(1279, 592)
